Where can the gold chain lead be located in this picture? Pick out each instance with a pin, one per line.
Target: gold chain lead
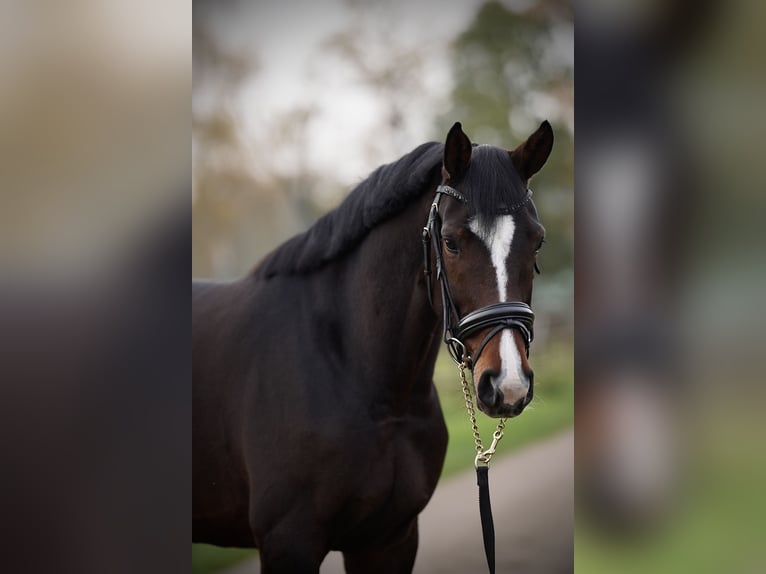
(482, 456)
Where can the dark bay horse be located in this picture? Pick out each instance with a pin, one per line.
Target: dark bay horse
(316, 425)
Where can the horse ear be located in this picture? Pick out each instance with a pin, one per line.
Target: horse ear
(530, 156)
(457, 153)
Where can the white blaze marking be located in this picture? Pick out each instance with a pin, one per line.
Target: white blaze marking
(498, 240)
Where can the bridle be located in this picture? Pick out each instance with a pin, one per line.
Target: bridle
(497, 317)
(500, 316)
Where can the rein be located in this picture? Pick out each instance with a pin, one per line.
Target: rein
(498, 317)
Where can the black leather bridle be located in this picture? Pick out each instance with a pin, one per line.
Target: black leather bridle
(499, 316)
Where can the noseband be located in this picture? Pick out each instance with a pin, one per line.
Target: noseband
(506, 315)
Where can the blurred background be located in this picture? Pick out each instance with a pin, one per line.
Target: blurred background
(294, 103)
(669, 356)
(95, 238)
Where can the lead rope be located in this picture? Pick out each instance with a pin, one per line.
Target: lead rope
(481, 463)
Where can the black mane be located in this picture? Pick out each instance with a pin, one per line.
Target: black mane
(386, 192)
(491, 184)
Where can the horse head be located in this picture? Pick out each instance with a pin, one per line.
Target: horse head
(486, 237)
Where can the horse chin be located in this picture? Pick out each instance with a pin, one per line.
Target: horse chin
(504, 410)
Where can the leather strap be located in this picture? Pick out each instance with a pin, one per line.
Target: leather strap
(452, 192)
(514, 315)
(498, 313)
(426, 238)
(485, 512)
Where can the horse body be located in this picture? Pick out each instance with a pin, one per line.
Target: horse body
(344, 445)
(317, 425)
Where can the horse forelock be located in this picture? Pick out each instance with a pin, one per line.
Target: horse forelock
(491, 185)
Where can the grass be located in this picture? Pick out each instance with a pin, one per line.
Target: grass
(715, 523)
(551, 410)
(207, 558)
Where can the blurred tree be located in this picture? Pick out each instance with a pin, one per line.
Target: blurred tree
(511, 66)
(389, 62)
(242, 205)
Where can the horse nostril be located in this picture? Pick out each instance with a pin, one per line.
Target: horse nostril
(486, 391)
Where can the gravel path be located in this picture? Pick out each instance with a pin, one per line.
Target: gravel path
(532, 504)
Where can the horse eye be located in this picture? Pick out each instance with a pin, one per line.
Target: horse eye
(450, 244)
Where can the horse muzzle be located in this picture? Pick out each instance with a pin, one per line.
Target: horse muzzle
(503, 397)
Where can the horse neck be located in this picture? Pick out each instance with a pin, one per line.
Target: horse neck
(396, 331)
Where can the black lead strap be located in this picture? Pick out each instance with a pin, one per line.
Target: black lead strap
(485, 511)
